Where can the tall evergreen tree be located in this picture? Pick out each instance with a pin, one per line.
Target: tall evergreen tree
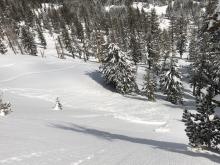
(203, 128)
(119, 70)
(28, 42)
(193, 49)
(153, 38)
(171, 85)
(181, 34)
(149, 86)
(67, 42)
(135, 50)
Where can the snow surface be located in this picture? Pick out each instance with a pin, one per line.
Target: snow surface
(97, 126)
(217, 98)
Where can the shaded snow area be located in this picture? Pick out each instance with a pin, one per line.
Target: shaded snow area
(96, 126)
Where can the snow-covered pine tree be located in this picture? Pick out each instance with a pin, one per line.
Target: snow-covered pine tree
(193, 46)
(67, 42)
(203, 128)
(206, 65)
(171, 85)
(153, 38)
(58, 106)
(5, 108)
(135, 51)
(202, 65)
(190, 129)
(28, 42)
(165, 49)
(181, 34)
(149, 86)
(118, 70)
(3, 48)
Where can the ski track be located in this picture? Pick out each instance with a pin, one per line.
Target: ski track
(7, 66)
(21, 158)
(31, 73)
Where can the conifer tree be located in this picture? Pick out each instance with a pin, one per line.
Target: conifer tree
(190, 129)
(28, 42)
(119, 71)
(135, 51)
(171, 85)
(200, 68)
(149, 86)
(193, 46)
(58, 106)
(153, 39)
(165, 49)
(203, 127)
(181, 34)
(3, 48)
(67, 41)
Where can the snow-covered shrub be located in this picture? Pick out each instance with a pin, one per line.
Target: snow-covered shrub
(119, 70)
(203, 127)
(5, 108)
(58, 106)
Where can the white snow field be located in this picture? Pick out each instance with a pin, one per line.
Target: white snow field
(96, 127)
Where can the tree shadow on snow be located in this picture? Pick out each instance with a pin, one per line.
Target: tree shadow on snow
(97, 77)
(136, 97)
(167, 146)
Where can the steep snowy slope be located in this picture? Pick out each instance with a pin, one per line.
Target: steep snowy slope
(97, 125)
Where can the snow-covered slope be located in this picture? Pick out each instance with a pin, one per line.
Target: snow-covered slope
(97, 126)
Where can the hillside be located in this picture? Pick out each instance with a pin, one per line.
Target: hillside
(96, 126)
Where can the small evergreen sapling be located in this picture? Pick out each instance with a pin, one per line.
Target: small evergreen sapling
(5, 108)
(58, 105)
